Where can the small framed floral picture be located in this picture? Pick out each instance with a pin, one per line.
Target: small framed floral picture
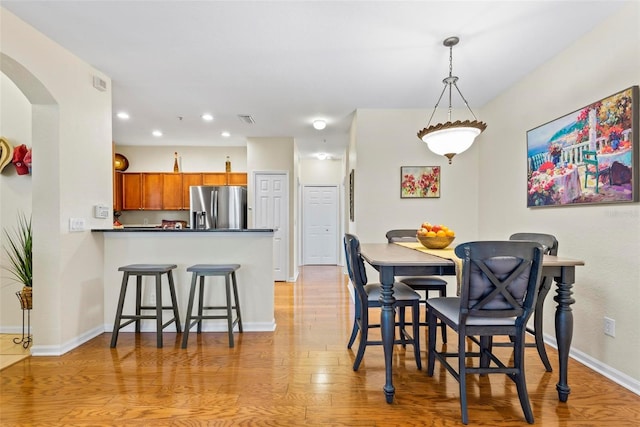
(419, 182)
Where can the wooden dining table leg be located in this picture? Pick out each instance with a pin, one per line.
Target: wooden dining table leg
(387, 327)
(564, 326)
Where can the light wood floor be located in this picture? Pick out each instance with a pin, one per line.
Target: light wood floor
(298, 375)
(11, 352)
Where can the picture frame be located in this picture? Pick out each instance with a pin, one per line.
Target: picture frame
(351, 206)
(419, 182)
(589, 156)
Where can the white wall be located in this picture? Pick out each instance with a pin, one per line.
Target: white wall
(71, 140)
(606, 237)
(275, 154)
(385, 140)
(190, 159)
(15, 192)
(321, 172)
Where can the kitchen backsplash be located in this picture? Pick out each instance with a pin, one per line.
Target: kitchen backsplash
(152, 217)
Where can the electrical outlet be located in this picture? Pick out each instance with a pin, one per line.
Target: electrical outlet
(609, 327)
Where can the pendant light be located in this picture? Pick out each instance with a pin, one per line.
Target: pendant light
(451, 138)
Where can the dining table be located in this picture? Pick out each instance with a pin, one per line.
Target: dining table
(391, 260)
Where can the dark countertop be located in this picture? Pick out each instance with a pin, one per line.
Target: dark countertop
(178, 230)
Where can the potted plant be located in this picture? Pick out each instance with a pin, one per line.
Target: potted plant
(19, 252)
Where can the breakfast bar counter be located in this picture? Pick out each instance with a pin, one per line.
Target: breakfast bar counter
(251, 248)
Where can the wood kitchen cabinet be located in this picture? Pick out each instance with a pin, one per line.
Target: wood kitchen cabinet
(141, 191)
(237, 178)
(189, 179)
(165, 191)
(117, 191)
(214, 178)
(152, 186)
(172, 194)
(131, 191)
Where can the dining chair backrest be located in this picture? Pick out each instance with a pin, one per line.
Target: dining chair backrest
(548, 241)
(347, 258)
(499, 278)
(402, 235)
(356, 263)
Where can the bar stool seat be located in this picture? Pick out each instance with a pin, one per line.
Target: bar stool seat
(139, 270)
(201, 271)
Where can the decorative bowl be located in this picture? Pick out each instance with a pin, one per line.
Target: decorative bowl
(435, 242)
(120, 162)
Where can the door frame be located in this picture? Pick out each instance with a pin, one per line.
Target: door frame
(337, 220)
(287, 242)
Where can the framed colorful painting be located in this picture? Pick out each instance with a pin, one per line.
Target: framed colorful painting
(419, 182)
(589, 156)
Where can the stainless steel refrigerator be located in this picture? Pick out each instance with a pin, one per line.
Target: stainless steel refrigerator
(218, 207)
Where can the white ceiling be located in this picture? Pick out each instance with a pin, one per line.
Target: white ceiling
(286, 63)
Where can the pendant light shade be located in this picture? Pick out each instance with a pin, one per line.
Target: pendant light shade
(451, 138)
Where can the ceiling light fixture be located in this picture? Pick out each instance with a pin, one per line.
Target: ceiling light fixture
(207, 117)
(319, 124)
(225, 134)
(322, 156)
(448, 139)
(156, 133)
(123, 115)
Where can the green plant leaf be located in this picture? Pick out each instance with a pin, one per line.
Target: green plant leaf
(19, 250)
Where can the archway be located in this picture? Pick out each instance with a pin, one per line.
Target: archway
(44, 138)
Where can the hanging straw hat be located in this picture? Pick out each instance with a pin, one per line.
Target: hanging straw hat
(6, 153)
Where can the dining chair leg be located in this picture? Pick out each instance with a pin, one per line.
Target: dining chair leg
(356, 320)
(462, 372)
(431, 344)
(537, 323)
(415, 311)
(520, 380)
(402, 325)
(364, 337)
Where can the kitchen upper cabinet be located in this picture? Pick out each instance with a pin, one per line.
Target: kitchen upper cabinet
(152, 186)
(172, 198)
(237, 178)
(165, 191)
(189, 179)
(131, 191)
(214, 178)
(117, 191)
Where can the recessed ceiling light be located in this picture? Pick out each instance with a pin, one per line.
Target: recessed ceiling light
(156, 133)
(123, 115)
(225, 134)
(322, 156)
(319, 124)
(207, 117)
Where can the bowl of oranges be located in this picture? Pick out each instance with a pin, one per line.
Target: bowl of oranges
(435, 236)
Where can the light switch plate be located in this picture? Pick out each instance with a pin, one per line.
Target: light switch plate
(76, 224)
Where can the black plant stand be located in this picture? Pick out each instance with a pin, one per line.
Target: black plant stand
(26, 338)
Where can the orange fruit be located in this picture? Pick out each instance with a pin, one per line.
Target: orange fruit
(441, 233)
(450, 233)
(431, 234)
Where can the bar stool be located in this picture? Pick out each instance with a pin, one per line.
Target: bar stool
(201, 271)
(139, 270)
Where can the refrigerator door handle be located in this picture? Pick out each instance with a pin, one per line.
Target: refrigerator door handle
(214, 208)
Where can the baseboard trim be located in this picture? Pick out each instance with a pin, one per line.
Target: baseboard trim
(607, 371)
(59, 350)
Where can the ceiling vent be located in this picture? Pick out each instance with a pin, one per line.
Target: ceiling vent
(246, 118)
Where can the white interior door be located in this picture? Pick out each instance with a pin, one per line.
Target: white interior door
(320, 225)
(271, 210)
